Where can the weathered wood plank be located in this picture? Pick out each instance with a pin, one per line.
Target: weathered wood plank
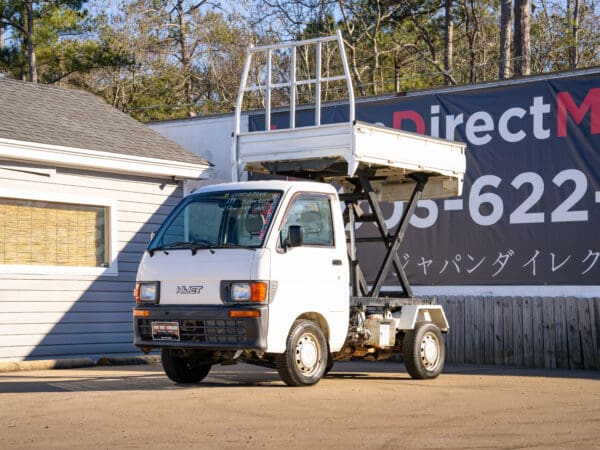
(542, 332)
(442, 300)
(528, 357)
(560, 320)
(549, 334)
(498, 332)
(538, 332)
(469, 303)
(585, 331)
(573, 336)
(517, 331)
(451, 338)
(507, 331)
(596, 330)
(479, 330)
(460, 325)
(489, 330)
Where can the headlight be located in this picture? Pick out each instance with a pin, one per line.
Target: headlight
(147, 292)
(246, 291)
(241, 292)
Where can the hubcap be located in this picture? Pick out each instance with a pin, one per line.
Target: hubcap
(307, 354)
(430, 351)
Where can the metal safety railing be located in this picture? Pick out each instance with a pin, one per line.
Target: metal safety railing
(290, 82)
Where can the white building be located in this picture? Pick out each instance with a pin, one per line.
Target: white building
(82, 186)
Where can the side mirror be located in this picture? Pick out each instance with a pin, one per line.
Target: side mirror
(294, 237)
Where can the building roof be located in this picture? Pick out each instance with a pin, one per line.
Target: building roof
(46, 114)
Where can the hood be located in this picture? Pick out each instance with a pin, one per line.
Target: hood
(187, 279)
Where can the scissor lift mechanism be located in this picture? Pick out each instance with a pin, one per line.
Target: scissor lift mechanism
(371, 163)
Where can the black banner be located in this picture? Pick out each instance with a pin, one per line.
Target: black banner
(530, 210)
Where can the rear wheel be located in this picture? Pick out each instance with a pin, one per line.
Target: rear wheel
(424, 351)
(305, 359)
(185, 366)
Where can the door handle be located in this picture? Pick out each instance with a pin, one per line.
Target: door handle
(336, 262)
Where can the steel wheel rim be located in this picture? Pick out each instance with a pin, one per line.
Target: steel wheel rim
(430, 351)
(307, 354)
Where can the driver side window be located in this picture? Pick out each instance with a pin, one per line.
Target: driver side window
(313, 213)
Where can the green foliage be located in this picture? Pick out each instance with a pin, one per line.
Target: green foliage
(167, 59)
(62, 38)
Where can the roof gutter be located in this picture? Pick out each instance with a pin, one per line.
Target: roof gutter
(100, 161)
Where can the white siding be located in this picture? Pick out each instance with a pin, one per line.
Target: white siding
(208, 137)
(44, 315)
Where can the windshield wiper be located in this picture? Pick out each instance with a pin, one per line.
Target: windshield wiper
(201, 244)
(194, 246)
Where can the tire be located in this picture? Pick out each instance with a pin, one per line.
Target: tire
(424, 351)
(305, 359)
(329, 364)
(184, 367)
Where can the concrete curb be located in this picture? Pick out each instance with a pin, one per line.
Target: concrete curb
(20, 366)
(76, 363)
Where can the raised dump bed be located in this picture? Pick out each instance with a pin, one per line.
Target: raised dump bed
(338, 151)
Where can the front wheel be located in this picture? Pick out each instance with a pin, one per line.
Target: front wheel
(424, 351)
(305, 359)
(184, 366)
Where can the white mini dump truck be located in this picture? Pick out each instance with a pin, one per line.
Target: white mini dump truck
(266, 272)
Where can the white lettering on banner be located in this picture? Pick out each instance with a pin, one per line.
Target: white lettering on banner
(537, 110)
(486, 206)
(503, 125)
(522, 214)
(479, 127)
(480, 124)
(531, 263)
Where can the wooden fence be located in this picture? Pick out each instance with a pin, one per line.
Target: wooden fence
(523, 331)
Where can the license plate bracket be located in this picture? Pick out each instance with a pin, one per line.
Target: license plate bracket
(165, 331)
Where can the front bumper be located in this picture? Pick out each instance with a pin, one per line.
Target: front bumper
(203, 327)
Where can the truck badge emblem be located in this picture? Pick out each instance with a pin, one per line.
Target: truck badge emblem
(189, 290)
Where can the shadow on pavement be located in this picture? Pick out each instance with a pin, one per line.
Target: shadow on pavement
(152, 378)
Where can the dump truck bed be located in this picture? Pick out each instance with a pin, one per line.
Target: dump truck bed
(338, 151)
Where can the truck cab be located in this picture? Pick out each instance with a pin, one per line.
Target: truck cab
(235, 265)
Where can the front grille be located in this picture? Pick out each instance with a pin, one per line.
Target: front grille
(220, 331)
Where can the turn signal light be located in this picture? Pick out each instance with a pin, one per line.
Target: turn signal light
(243, 313)
(141, 313)
(259, 291)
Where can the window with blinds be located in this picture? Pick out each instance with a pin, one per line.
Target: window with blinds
(36, 232)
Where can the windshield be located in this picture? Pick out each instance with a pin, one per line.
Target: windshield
(218, 219)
